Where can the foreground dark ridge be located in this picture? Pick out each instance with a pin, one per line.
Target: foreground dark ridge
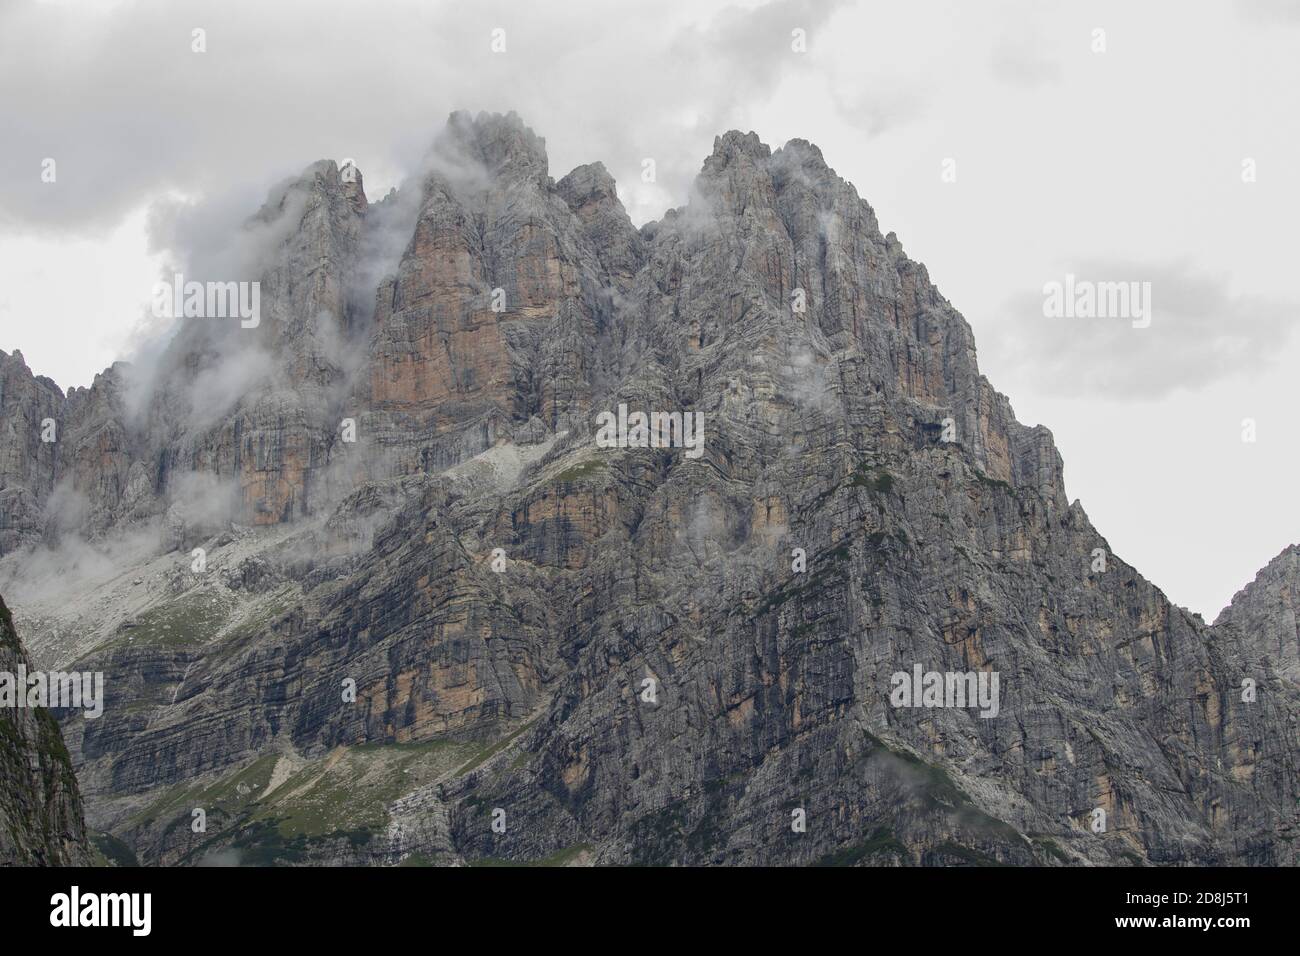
(40, 809)
(935, 526)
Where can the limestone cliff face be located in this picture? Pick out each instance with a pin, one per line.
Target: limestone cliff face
(500, 304)
(488, 578)
(1263, 614)
(40, 808)
(27, 469)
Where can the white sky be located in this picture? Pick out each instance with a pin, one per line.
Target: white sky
(1119, 165)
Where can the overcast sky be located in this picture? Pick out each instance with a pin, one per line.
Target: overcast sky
(1125, 164)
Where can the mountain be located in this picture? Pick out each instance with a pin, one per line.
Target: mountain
(1264, 612)
(434, 619)
(41, 820)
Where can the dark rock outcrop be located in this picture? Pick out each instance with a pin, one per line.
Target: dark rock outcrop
(40, 808)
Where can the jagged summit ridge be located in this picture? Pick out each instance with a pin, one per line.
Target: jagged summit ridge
(359, 338)
(1265, 613)
(487, 574)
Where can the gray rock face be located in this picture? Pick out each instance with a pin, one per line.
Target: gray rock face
(26, 462)
(635, 655)
(1264, 614)
(41, 820)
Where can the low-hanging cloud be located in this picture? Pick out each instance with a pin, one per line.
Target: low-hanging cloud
(1270, 12)
(280, 85)
(1018, 60)
(1201, 332)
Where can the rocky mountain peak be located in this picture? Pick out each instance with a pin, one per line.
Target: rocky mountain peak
(15, 357)
(587, 184)
(501, 144)
(592, 194)
(734, 146)
(1266, 613)
(396, 481)
(736, 177)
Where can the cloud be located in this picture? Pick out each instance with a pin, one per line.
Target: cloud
(142, 127)
(808, 382)
(217, 240)
(70, 565)
(203, 498)
(131, 113)
(1019, 61)
(1270, 11)
(1201, 332)
(880, 107)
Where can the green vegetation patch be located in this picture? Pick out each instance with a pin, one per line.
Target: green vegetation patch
(230, 795)
(990, 482)
(350, 791)
(114, 852)
(880, 483)
(491, 751)
(881, 840)
(257, 621)
(584, 469)
(342, 796)
(1051, 848)
(191, 620)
